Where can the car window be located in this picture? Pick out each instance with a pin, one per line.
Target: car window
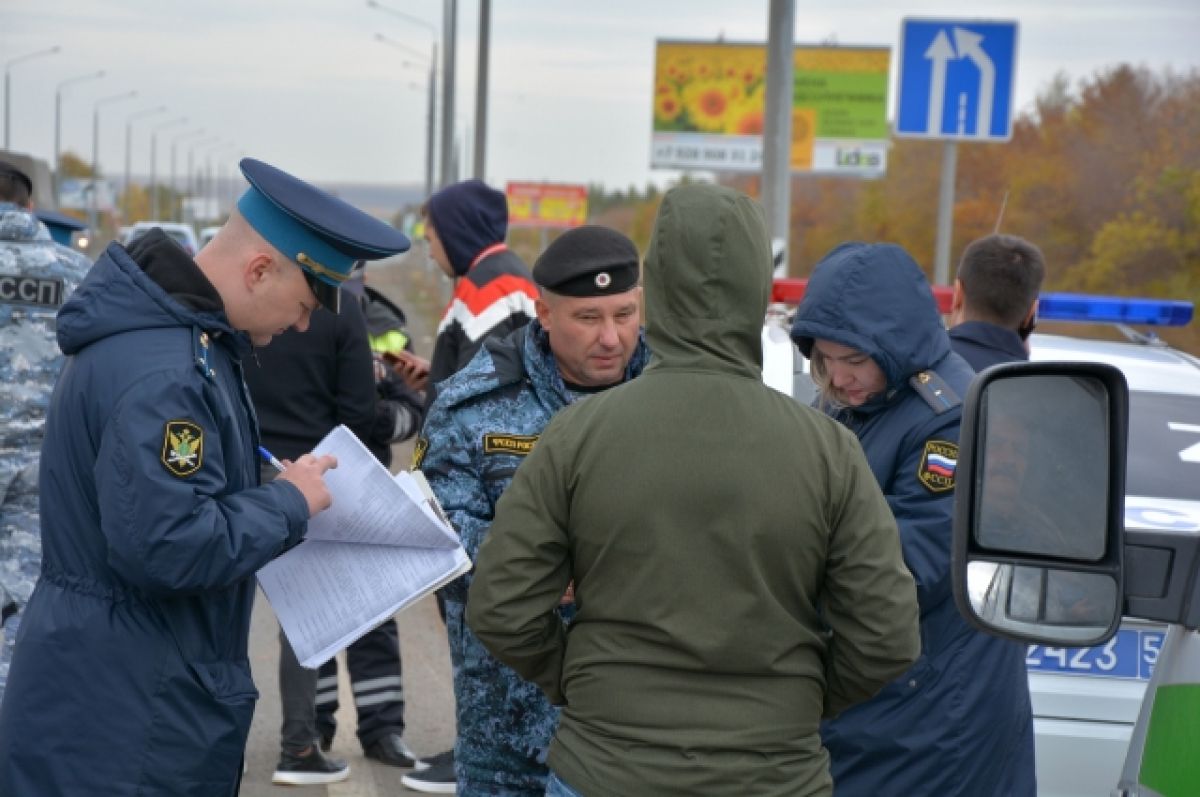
(1164, 446)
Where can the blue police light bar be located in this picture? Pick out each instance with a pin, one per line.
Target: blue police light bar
(1113, 310)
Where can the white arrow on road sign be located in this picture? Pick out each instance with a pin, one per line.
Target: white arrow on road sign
(956, 79)
(939, 53)
(968, 44)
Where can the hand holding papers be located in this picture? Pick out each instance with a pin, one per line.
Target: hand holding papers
(380, 547)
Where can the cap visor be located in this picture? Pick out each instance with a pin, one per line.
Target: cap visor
(328, 295)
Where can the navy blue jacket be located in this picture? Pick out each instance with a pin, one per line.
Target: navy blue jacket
(959, 721)
(132, 675)
(982, 344)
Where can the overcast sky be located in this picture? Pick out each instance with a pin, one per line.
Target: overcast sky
(303, 83)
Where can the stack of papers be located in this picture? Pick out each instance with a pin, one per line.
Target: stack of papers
(383, 545)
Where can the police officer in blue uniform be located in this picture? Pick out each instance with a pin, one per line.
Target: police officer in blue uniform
(959, 721)
(61, 226)
(485, 420)
(36, 277)
(132, 676)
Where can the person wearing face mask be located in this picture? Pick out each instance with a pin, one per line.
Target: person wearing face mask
(132, 676)
(958, 722)
(994, 308)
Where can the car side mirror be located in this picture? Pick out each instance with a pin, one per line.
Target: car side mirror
(1039, 506)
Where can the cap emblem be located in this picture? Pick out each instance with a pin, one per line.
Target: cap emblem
(603, 279)
(319, 270)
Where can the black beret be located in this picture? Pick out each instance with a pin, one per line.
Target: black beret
(588, 261)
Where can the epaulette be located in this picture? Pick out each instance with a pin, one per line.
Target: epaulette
(200, 345)
(937, 394)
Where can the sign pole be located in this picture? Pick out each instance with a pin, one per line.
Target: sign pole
(956, 83)
(945, 220)
(777, 119)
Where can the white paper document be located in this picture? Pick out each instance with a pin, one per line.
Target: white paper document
(380, 547)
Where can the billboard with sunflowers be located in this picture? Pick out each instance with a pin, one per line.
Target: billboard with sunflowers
(548, 205)
(709, 100)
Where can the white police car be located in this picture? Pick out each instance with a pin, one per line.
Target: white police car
(1086, 701)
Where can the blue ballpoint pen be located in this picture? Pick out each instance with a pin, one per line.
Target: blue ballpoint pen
(270, 458)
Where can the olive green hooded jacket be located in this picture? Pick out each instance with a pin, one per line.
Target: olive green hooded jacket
(737, 572)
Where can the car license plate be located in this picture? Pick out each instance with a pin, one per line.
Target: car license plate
(1129, 654)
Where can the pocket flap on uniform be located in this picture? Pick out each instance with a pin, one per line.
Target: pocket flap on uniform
(227, 682)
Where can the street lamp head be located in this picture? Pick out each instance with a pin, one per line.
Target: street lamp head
(146, 112)
(28, 56)
(128, 95)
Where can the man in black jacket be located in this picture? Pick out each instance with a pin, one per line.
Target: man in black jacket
(303, 387)
(995, 300)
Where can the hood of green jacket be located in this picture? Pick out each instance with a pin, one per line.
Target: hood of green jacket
(707, 281)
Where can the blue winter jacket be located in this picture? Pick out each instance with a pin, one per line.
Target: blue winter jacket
(959, 721)
(131, 674)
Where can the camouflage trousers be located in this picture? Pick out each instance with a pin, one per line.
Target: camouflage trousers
(504, 723)
(20, 562)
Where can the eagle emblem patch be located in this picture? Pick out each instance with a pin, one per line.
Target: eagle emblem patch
(938, 463)
(183, 448)
(419, 449)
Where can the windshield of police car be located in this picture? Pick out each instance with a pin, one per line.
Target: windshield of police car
(1164, 446)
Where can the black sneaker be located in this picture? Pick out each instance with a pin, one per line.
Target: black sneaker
(436, 778)
(311, 769)
(390, 749)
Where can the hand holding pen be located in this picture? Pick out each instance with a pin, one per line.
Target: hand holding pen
(307, 475)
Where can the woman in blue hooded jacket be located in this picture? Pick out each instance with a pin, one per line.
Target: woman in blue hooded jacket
(959, 721)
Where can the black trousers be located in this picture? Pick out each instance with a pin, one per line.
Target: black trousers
(374, 664)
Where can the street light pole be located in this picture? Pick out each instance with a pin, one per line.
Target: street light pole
(174, 142)
(92, 215)
(129, 148)
(8, 83)
(191, 184)
(431, 111)
(481, 86)
(204, 178)
(429, 104)
(58, 91)
(154, 164)
(448, 40)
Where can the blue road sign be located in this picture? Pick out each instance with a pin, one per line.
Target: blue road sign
(956, 79)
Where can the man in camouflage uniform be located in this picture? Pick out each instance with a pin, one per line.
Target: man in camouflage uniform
(485, 420)
(36, 276)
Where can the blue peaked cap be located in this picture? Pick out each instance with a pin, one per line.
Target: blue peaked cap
(60, 225)
(323, 234)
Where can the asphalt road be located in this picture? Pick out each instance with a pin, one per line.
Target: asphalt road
(413, 283)
(429, 707)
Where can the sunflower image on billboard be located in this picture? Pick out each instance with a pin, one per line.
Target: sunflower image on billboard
(710, 101)
(710, 88)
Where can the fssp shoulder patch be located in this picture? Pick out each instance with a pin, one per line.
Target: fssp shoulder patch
(183, 448)
(938, 462)
(419, 449)
(36, 291)
(518, 444)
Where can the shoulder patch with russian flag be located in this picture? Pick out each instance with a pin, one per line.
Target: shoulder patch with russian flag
(938, 463)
